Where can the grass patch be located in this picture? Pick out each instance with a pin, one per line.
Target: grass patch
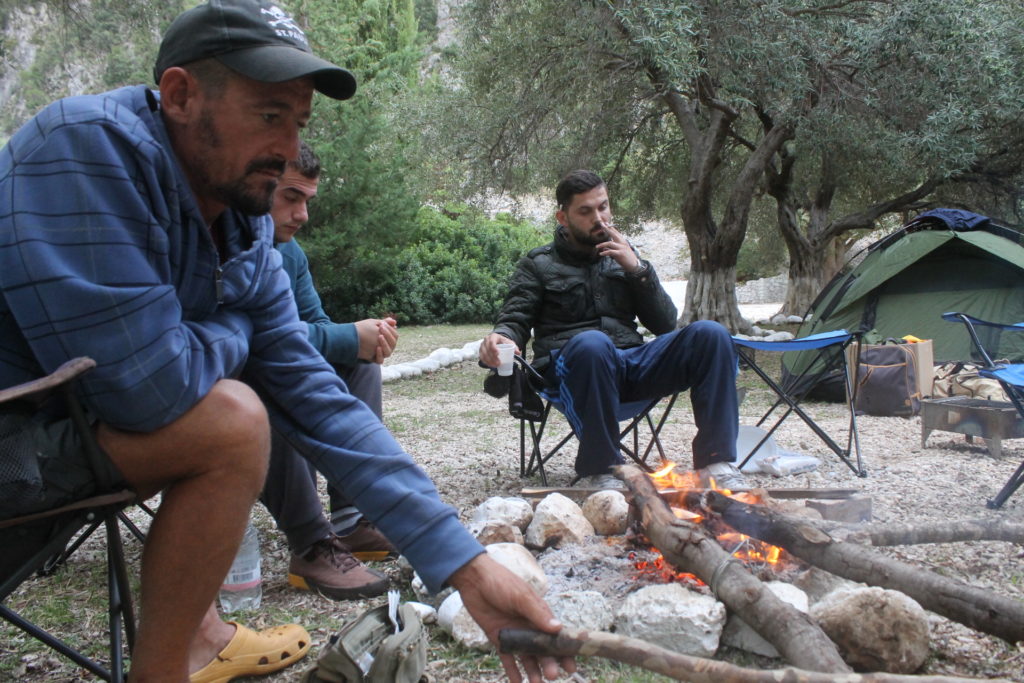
(417, 341)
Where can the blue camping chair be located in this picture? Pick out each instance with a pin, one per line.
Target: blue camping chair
(831, 348)
(1009, 375)
(533, 456)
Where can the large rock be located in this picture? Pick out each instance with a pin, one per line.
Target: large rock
(818, 583)
(491, 531)
(454, 618)
(515, 511)
(673, 617)
(738, 634)
(557, 521)
(587, 610)
(607, 511)
(425, 596)
(520, 562)
(875, 629)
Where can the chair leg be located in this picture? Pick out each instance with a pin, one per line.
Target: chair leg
(121, 605)
(1015, 482)
(53, 643)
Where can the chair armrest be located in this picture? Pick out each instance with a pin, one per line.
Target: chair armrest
(37, 388)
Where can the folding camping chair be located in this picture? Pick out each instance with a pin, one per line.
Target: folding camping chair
(535, 421)
(1009, 375)
(831, 348)
(33, 542)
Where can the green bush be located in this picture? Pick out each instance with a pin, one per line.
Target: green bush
(453, 268)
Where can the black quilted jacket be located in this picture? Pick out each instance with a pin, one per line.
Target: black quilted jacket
(557, 292)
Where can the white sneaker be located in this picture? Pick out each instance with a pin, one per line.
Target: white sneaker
(725, 475)
(600, 481)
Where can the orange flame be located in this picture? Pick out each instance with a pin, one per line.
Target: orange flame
(739, 545)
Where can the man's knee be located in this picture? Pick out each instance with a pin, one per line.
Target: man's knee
(591, 344)
(236, 426)
(710, 335)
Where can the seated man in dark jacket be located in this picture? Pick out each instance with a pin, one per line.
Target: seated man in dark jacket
(581, 296)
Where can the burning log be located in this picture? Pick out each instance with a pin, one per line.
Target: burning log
(793, 633)
(575, 643)
(979, 609)
(941, 532)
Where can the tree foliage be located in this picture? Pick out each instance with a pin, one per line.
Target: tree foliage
(867, 106)
(455, 269)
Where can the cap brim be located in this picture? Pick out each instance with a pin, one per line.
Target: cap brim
(278, 63)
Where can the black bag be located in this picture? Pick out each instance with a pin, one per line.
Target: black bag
(887, 381)
(523, 401)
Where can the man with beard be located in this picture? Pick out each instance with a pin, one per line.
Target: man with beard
(580, 297)
(133, 231)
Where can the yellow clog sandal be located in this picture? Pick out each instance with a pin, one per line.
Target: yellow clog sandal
(255, 653)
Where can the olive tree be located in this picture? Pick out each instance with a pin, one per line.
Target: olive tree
(932, 116)
(698, 100)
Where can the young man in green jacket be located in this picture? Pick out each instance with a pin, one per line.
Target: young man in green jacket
(325, 555)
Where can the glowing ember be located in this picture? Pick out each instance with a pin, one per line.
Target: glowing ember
(662, 571)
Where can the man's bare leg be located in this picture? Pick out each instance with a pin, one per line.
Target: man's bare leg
(210, 464)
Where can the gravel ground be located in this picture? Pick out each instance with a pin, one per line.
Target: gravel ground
(469, 446)
(474, 457)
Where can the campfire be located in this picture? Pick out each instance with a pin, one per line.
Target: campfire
(712, 542)
(759, 557)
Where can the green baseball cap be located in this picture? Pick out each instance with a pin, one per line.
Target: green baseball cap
(256, 38)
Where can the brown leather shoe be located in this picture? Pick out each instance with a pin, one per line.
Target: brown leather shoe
(367, 542)
(330, 569)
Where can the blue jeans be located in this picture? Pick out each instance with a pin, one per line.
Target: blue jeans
(594, 377)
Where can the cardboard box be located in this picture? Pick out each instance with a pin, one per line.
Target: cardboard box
(924, 364)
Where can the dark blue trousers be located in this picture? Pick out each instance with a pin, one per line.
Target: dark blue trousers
(595, 379)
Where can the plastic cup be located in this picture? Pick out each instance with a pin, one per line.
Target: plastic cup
(505, 354)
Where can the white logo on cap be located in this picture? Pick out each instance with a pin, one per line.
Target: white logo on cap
(283, 25)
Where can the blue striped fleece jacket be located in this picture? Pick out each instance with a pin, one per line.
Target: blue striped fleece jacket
(104, 253)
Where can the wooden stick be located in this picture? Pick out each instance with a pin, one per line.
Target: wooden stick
(794, 634)
(575, 643)
(935, 532)
(578, 493)
(974, 607)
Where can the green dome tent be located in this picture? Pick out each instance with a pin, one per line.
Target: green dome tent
(943, 260)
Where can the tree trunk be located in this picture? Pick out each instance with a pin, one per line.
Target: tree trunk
(576, 643)
(706, 122)
(805, 279)
(973, 607)
(793, 633)
(711, 295)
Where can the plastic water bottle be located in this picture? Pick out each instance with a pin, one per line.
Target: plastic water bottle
(243, 587)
